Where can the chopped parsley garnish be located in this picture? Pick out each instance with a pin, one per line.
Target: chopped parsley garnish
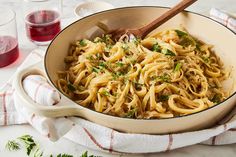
(156, 48)
(198, 45)
(120, 64)
(133, 61)
(167, 52)
(114, 76)
(216, 98)
(177, 67)
(96, 70)
(105, 93)
(106, 37)
(98, 55)
(100, 67)
(125, 47)
(131, 113)
(164, 97)
(117, 74)
(102, 64)
(97, 40)
(12, 145)
(107, 48)
(180, 33)
(82, 42)
(187, 40)
(164, 78)
(90, 57)
(138, 85)
(71, 87)
(205, 59)
(136, 41)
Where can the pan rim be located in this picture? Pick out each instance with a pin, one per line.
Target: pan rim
(126, 118)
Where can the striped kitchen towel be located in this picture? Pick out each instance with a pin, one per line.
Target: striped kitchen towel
(224, 18)
(93, 135)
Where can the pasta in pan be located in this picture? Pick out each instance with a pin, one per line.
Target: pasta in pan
(168, 74)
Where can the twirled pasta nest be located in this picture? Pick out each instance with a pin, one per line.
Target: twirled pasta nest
(168, 74)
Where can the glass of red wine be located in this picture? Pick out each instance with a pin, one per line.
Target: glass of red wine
(9, 50)
(42, 20)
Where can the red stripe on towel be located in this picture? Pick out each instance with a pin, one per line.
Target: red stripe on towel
(232, 25)
(32, 117)
(220, 19)
(170, 142)
(94, 140)
(48, 135)
(111, 141)
(230, 118)
(5, 94)
(232, 129)
(213, 140)
(4, 108)
(44, 84)
(225, 127)
(226, 21)
(56, 102)
(99, 145)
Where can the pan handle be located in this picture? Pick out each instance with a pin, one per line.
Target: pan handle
(49, 111)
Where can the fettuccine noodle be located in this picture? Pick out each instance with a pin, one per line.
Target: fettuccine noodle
(168, 74)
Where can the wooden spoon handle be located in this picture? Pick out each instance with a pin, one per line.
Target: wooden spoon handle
(165, 17)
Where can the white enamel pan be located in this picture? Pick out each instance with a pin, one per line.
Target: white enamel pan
(202, 27)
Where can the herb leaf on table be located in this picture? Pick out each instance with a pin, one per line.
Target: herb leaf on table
(12, 145)
(33, 149)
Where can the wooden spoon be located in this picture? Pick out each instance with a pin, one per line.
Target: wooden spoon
(145, 30)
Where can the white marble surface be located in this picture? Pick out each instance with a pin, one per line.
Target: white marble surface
(66, 146)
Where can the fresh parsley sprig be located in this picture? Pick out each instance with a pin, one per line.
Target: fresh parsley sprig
(28, 142)
(12, 145)
(33, 149)
(62, 155)
(85, 154)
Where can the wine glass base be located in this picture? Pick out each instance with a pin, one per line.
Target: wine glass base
(41, 43)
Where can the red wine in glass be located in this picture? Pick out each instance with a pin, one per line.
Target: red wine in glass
(9, 51)
(42, 26)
